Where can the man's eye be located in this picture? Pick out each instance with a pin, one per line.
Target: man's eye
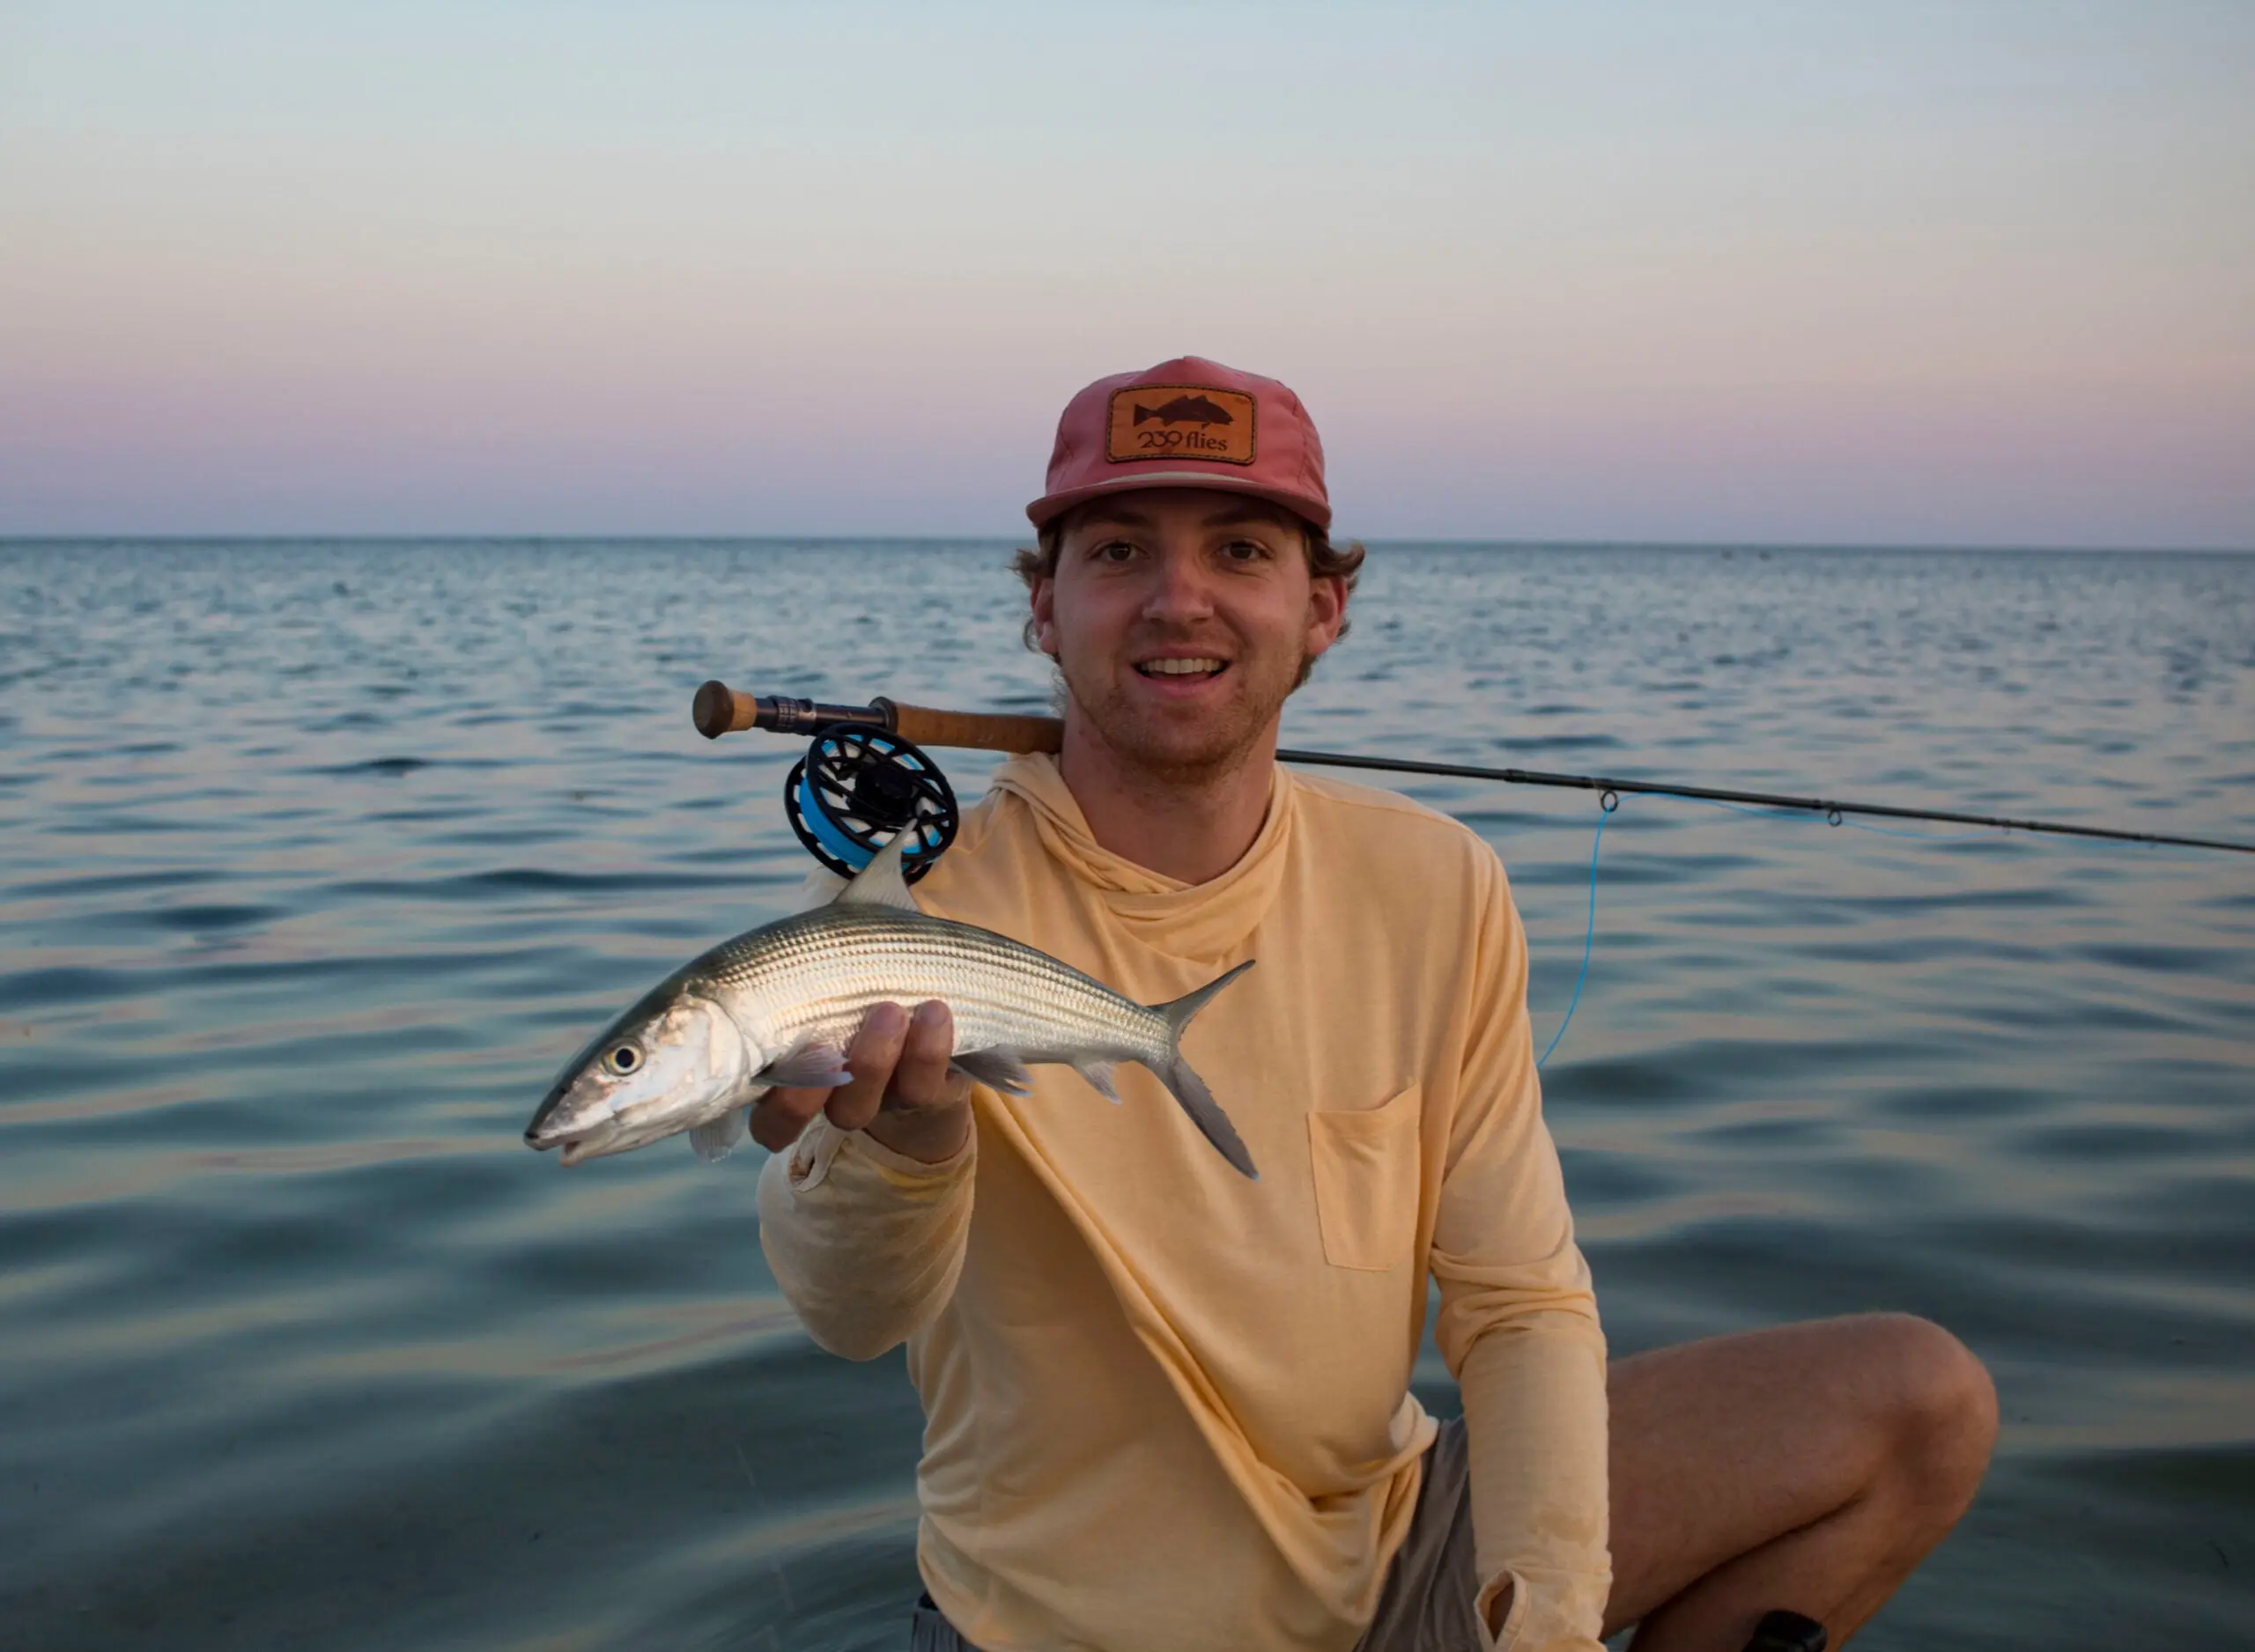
(1113, 551)
(1244, 550)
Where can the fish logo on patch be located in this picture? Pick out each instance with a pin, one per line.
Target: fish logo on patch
(1185, 410)
(1171, 421)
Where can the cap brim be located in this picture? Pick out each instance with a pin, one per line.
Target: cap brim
(1050, 507)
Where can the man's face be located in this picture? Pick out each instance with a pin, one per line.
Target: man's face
(1181, 618)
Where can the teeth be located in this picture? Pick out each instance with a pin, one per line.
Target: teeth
(1179, 667)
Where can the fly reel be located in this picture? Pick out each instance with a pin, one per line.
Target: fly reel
(857, 787)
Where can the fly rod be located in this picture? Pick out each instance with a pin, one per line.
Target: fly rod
(720, 710)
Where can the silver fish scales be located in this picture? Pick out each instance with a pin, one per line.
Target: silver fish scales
(779, 1005)
(814, 977)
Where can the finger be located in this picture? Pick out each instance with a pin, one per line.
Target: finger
(778, 1116)
(871, 1059)
(920, 1079)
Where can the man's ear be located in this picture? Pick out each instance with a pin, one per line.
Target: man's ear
(1045, 614)
(1326, 612)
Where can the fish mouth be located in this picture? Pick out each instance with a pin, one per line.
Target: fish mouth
(599, 1138)
(541, 1136)
(551, 1126)
(579, 1149)
(581, 1130)
(551, 1123)
(584, 1132)
(594, 1140)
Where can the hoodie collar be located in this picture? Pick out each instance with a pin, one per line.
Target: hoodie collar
(1197, 921)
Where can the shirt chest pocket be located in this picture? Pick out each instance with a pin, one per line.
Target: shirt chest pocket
(1366, 1170)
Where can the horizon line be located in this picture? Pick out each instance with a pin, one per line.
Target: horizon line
(1436, 542)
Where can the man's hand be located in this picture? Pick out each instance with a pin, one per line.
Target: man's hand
(902, 1093)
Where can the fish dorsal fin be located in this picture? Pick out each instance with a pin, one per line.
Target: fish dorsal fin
(880, 883)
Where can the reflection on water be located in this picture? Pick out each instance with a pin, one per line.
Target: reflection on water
(316, 861)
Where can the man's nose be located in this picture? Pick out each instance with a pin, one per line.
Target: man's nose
(1180, 588)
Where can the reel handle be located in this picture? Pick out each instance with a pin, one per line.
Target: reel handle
(720, 710)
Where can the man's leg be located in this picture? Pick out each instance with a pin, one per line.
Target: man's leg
(1810, 1468)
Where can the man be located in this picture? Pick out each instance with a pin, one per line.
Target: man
(1168, 1406)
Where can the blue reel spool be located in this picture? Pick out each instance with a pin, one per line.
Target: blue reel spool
(857, 787)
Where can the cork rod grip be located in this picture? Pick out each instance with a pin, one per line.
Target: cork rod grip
(982, 731)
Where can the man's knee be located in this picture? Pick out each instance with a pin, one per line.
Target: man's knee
(1941, 1409)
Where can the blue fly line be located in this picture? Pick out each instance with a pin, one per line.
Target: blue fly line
(1606, 805)
(1610, 801)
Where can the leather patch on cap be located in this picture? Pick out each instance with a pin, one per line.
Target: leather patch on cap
(1177, 421)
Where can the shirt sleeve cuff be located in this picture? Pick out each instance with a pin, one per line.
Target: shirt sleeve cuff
(1538, 1620)
(1503, 1638)
(815, 1153)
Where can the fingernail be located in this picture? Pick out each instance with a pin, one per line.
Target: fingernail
(887, 1019)
(931, 1013)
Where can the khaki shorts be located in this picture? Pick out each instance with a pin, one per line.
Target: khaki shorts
(1426, 1606)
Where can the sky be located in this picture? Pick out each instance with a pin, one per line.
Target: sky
(1931, 274)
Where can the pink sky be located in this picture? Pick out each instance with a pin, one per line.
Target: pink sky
(1949, 274)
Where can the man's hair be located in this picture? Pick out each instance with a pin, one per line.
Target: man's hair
(1325, 561)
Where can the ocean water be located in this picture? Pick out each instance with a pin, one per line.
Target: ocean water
(317, 860)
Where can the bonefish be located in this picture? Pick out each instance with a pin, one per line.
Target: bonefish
(777, 1004)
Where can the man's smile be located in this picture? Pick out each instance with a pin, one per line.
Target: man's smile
(1202, 667)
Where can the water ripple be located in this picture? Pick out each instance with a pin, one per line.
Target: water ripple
(310, 1351)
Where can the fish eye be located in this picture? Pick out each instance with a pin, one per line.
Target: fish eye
(624, 1060)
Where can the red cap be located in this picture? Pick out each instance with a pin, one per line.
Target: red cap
(1188, 423)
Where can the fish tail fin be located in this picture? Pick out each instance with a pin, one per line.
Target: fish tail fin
(1187, 1088)
(1213, 1123)
(1142, 413)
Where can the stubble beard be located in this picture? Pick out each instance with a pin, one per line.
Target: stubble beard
(1180, 754)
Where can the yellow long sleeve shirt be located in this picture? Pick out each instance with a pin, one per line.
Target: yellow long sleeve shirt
(1168, 1407)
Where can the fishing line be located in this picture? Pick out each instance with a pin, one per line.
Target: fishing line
(1610, 801)
(1606, 805)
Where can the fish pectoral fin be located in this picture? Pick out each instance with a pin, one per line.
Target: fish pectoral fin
(808, 1067)
(716, 1138)
(996, 1069)
(1099, 1074)
(880, 882)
